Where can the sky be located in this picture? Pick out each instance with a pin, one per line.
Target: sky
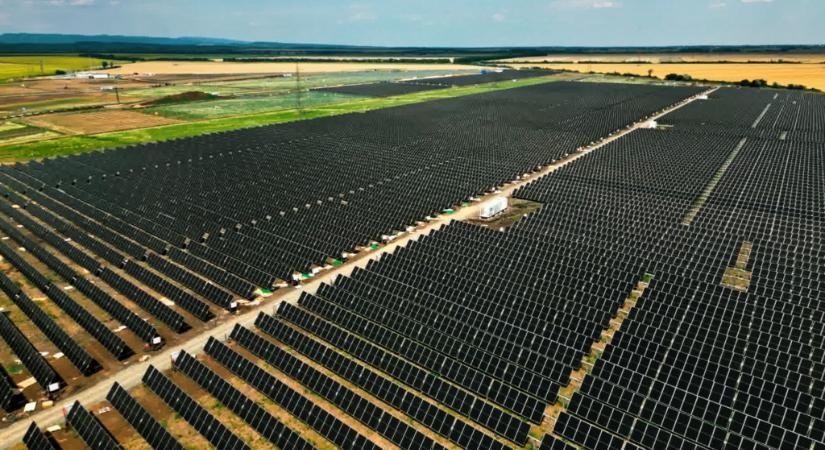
(446, 23)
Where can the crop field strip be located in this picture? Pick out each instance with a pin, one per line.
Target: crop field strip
(486, 394)
(488, 325)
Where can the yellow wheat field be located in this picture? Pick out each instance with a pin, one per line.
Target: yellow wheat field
(809, 75)
(674, 58)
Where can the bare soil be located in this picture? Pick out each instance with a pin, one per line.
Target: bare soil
(98, 121)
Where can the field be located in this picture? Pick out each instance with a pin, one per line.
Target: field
(160, 97)
(674, 58)
(75, 144)
(98, 121)
(12, 67)
(216, 67)
(809, 75)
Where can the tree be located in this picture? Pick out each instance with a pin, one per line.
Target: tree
(678, 77)
(105, 64)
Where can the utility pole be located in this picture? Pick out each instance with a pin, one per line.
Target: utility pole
(117, 95)
(297, 86)
(41, 67)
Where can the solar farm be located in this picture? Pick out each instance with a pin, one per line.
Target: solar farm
(328, 283)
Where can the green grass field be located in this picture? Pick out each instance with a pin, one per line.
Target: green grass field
(77, 144)
(211, 109)
(12, 67)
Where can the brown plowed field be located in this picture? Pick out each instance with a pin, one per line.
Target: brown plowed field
(98, 121)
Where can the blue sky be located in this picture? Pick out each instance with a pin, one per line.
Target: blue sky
(435, 22)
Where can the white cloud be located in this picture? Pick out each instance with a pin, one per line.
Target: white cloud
(585, 4)
(717, 5)
(66, 2)
(500, 16)
(359, 13)
(756, 1)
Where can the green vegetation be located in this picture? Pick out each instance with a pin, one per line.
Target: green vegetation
(249, 105)
(12, 67)
(11, 130)
(678, 77)
(77, 144)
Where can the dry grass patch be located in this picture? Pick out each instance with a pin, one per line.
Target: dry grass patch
(656, 58)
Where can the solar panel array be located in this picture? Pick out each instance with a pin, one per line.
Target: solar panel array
(415, 161)
(261, 420)
(463, 337)
(123, 314)
(485, 77)
(391, 88)
(699, 363)
(382, 89)
(214, 431)
(304, 409)
(85, 363)
(389, 426)
(489, 324)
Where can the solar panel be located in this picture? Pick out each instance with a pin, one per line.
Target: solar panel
(90, 429)
(36, 440)
(7, 390)
(40, 369)
(152, 431)
(549, 442)
(200, 419)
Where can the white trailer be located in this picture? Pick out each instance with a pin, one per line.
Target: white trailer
(493, 207)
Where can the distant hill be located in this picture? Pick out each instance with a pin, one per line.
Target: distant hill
(81, 39)
(37, 38)
(34, 43)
